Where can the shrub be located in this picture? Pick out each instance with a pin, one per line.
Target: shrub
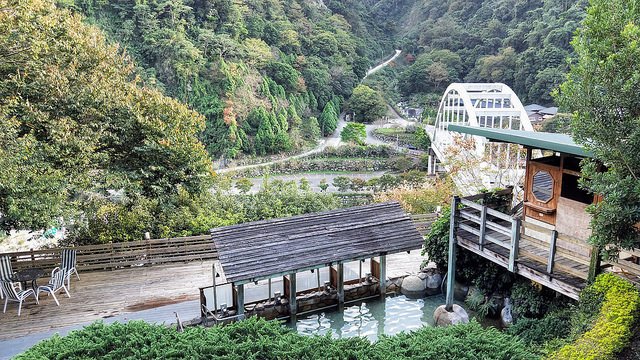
(527, 300)
(537, 332)
(354, 132)
(612, 329)
(260, 339)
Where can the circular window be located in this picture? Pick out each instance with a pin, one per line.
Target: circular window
(542, 186)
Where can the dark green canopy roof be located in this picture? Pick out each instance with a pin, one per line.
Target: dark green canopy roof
(532, 139)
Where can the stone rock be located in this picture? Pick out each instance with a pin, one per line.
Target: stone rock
(460, 291)
(458, 315)
(506, 318)
(434, 284)
(413, 287)
(423, 275)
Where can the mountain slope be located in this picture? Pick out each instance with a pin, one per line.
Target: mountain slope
(228, 58)
(523, 43)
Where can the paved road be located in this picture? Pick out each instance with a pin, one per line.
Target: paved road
(375, 69)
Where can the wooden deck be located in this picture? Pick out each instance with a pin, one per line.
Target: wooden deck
(555, 261)
(105, 294)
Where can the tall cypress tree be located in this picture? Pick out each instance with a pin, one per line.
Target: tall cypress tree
(328, 119)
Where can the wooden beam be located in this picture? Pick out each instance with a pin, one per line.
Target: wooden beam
(515, 243)
(552, 251)
(383, 276)
(451, 264)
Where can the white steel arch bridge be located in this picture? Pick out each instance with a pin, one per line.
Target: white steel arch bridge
(475, 163)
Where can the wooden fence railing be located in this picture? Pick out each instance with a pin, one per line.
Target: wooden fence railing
(118, 255)
(548, 247)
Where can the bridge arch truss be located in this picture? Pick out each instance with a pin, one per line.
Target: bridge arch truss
(491, 105)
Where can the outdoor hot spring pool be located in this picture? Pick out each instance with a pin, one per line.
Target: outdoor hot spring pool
(371, 318)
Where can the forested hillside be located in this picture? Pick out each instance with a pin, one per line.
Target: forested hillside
(257, 70)
(523, 43)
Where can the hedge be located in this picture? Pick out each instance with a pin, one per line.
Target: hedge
(260, 339)
(613, 327)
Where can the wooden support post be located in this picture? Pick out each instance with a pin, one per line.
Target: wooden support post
(269, 290)
(240, 299)
(340, 283)
(552, 251)
(293, 302)
(451, 262)
(515, 243)
(594, 264)
(483, 227)
(383, 276)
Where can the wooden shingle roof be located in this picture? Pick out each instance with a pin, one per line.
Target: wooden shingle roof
(269, 248)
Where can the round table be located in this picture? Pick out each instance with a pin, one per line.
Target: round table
(26, 275)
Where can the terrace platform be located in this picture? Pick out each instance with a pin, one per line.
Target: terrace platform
(105, 294)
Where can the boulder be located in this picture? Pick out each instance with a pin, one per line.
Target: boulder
(458, 315)
(413, 287)
(434, 284)
(506, 318)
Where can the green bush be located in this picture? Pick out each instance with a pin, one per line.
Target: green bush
(260, 339)
(184, 214)
(554, 325)
(613, 326)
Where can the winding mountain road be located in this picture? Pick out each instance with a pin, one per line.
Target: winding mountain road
(375, 69)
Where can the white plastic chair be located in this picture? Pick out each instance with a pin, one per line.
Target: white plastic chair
(15, 295)
(55, 284)
(6, 272)
(68, 260)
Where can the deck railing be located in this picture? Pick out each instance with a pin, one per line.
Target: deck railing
(546, 246)
(490, 219)
(118, 255)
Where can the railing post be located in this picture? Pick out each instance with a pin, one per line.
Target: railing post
(515, 243)
(552, 251)
(483, 227)
(594, 264)
(451, 263)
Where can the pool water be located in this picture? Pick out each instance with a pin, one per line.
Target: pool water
(372, 318)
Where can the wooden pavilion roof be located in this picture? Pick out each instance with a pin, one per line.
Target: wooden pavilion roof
(264, 249)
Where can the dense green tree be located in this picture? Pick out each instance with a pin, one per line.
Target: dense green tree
(602, 93)
(243, 185)
(423, 141)
(366, 104)
(328, 120)
(74, 119)
(354, 132)
(311, 128)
